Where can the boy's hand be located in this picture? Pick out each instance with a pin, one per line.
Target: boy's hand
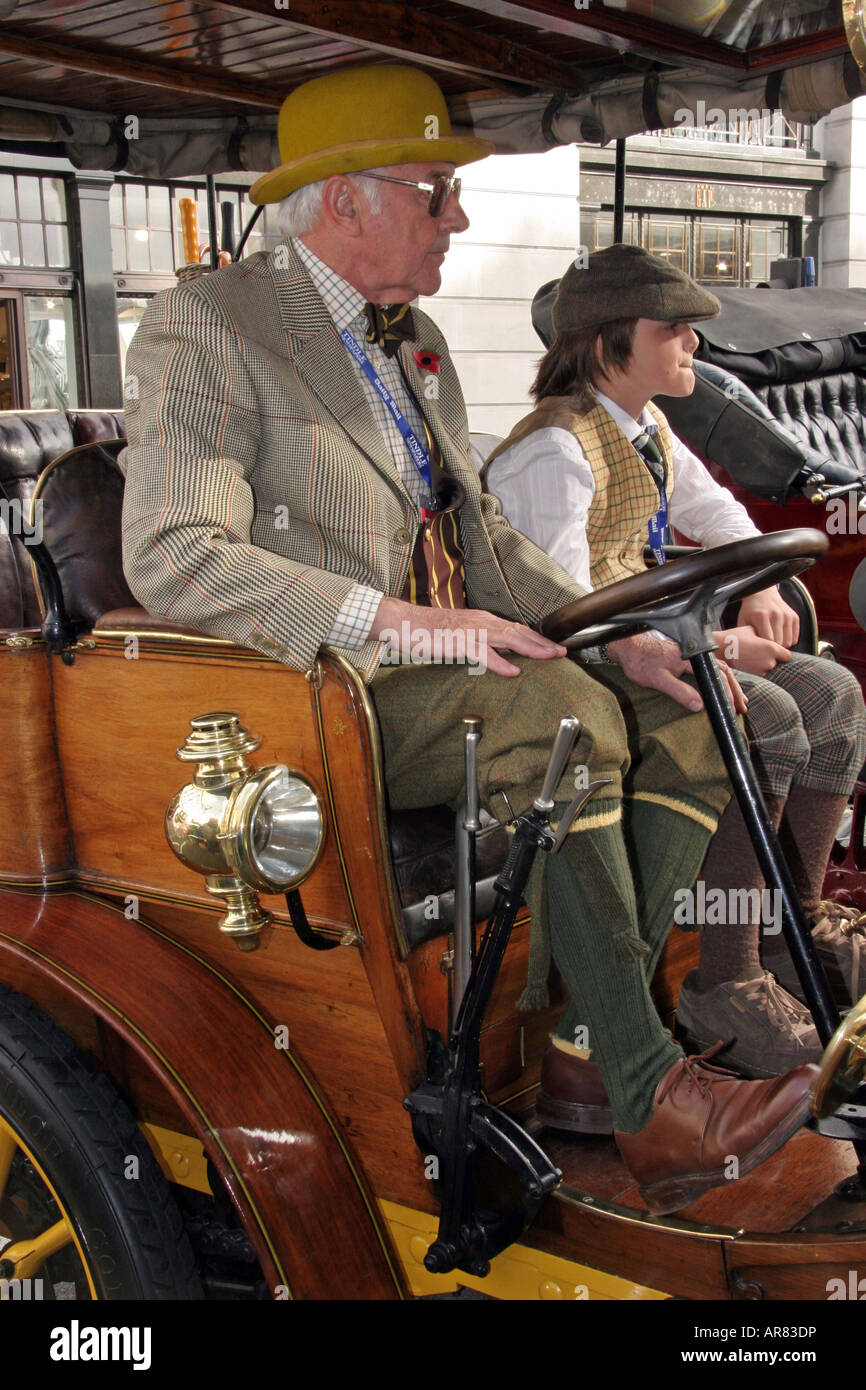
(748, 652)
(770, 616)
(656, 663)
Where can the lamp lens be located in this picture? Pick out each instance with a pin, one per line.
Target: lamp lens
(285, 830)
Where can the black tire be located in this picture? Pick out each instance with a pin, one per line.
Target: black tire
(68, 1121)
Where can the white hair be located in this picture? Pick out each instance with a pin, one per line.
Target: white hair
(300, 211)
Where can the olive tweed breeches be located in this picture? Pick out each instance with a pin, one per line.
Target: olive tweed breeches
(605, 903)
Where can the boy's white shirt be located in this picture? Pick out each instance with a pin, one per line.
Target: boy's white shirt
(546, 486)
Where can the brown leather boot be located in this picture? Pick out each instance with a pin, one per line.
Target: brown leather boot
(703, 1117)
(572, 1095)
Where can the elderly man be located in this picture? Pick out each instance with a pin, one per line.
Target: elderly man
(294, 482)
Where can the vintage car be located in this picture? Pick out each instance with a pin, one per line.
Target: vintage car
(253, 1042)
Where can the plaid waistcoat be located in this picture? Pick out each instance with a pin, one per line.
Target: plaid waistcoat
(626, 496)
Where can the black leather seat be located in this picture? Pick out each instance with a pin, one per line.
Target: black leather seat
(29, 441)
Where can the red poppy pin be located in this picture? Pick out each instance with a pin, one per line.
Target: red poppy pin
(426, 361)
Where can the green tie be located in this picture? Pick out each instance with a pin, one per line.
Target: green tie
(651, 455)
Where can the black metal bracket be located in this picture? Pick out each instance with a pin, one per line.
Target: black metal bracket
(452, 1121)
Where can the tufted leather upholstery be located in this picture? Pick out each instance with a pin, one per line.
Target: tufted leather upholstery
(29, 441)
(91, 426)
(815, 390)
(826, 413)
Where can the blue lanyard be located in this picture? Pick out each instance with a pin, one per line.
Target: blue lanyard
(658, 526)
(420, 456)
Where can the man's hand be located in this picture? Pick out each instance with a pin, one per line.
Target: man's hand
(655, 662)
(404, 624)
(770, 616)
(748, 652)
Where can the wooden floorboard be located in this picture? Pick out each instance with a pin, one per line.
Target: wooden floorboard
(797, 1181)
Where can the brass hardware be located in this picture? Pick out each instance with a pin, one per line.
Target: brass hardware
(245, 916)
(18, 642)
(218, 743)
(843, 1066)
(211, 823)
(446, 962)
(314, 675)
(351, 937)
(217, 735)
(85, 644)
(855, 29)
(239, 821)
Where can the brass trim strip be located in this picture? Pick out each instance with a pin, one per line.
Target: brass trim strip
(146, 636)
(574, 1197)
(73, 879)
(810, 605)
(38, 883)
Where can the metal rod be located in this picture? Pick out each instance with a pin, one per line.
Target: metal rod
(766, 844)
(213, 222)
(619, 192)
(467, 825)
(239, 249)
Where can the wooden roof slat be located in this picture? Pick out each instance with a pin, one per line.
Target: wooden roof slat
(199, 82)
(409, 32)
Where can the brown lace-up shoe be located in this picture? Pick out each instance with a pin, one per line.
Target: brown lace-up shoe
(839, 934)
(702, 1118)
(572, 1095)
(770, 1031)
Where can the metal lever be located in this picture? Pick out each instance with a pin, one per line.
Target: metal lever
(569, 728)
(466, 828)
(574, 811)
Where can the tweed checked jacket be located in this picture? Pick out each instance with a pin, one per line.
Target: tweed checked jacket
(258, 487)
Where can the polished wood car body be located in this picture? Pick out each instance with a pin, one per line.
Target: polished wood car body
(118, 940)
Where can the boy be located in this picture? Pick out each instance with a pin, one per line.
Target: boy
(592, 474)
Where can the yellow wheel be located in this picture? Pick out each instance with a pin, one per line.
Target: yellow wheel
(85, 1212)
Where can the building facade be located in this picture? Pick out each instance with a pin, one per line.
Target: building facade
(81, 253)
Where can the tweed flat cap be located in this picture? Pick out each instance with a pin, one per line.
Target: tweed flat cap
(626, 282)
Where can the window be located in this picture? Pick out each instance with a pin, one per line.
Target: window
(668, 238)
(50, 352)
(129, 315)
(717, 254)
(765, 242)
(146, 234)
(714, 250)
(141, 228)
(596, 230)
(33, 229)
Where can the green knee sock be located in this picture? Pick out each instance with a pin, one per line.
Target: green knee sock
(665, 850)
(598, 950)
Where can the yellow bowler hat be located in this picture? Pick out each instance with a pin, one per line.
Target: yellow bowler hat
(362, 118)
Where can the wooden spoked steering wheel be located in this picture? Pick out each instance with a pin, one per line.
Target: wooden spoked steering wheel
(686, 594)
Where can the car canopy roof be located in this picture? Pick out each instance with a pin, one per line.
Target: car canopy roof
(204, 81)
